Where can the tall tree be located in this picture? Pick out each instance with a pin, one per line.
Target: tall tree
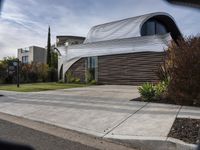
(49, 48)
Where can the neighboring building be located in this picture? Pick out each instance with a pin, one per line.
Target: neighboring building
(32, 54)
(122, 52)
(68, 40)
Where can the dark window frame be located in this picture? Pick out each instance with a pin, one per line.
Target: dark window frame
(25, 59)
(145, 30)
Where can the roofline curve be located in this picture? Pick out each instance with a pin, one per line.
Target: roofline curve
(107, 32)
(164, 14)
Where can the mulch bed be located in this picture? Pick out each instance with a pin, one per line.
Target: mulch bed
(187, 130)
(164, 101)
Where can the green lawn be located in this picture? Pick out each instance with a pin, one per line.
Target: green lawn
(35, 87)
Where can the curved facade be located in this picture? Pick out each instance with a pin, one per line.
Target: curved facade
(143, 34)
(128, 28)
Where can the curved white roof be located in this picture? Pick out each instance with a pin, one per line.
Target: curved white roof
(125, 28)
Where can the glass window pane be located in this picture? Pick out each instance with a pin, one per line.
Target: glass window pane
(160, 28)
(92, 66)
(144, 29)
(151, 28)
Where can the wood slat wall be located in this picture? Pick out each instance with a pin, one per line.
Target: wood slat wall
(129, 69)
(123, 69)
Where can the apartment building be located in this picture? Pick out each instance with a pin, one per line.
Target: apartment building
(32, 54)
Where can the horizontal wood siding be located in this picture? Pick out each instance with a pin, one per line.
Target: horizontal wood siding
(129, 69)
(78, 69)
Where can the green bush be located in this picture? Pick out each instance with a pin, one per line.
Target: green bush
(77, 80)
(93, 82)
(70, 77)
(4, 76)
(147, 91)
(160, 89)
(36, 72)
(89, 76)
(60, 81)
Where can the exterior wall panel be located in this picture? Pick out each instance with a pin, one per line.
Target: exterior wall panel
(129, 69)
(39, 54)
(78, 69)
(122, 69)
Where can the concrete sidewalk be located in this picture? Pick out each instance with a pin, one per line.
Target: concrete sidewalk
(103, 111)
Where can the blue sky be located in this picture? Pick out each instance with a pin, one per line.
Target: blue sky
(25, 22)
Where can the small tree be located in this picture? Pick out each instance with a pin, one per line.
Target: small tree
(5, 77)
(3, 71)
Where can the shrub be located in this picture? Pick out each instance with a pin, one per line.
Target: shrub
(70, 77)
(93, 82)
(5, 77)
(163, 73)
(89, 76)
(160, 89)
(77, 80)
(60, 81)
(3, 72)
(34, 72)
(52, 74)
(183, 66)
(147, 91)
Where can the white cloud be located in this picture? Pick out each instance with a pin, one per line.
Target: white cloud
(25, 23)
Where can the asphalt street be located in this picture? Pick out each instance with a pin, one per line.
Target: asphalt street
(37, 140)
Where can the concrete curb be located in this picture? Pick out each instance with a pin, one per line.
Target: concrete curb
(122, 141)
(182, 145)
(154, 143)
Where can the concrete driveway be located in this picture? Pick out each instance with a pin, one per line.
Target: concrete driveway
(95, 110)
(104, 111)
(115, 92)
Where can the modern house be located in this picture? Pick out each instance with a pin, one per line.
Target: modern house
(32, 54)
(127, 51)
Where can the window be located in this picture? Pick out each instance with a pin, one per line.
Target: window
(25, 59)
(160, 28)
(92, 62)
(25, 50)
(150, 29)
(153, 27)
(92, 65)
